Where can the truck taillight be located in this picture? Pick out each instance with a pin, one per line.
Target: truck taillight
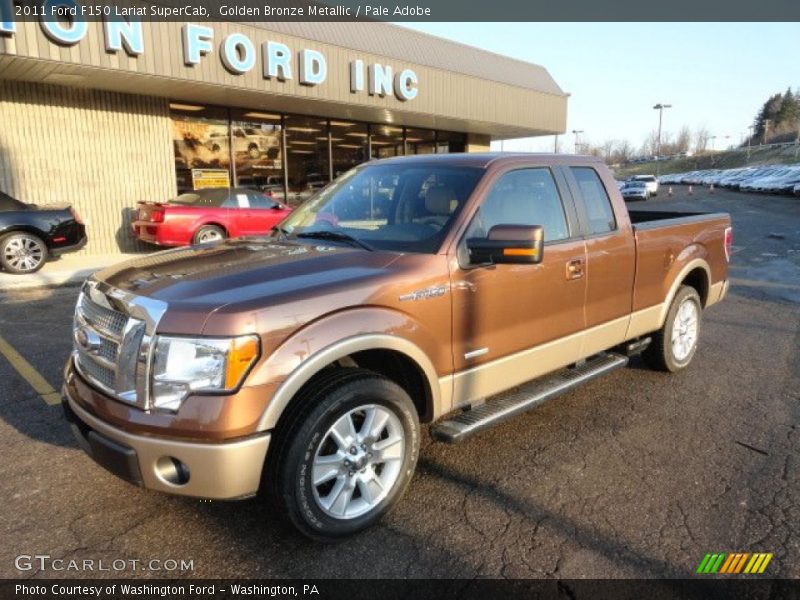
(157, 216)
(728, 242)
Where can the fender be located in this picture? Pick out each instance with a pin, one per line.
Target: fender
(297, 360)
(652, 318)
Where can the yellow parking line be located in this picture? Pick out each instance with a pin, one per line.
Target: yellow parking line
(29, 374)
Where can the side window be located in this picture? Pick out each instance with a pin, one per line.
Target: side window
(522, 197)
(259, 200)
(595, 198)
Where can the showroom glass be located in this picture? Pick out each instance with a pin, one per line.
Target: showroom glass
(598, 205)
(349, 145)
(257, 151)
(200, 138)
(522, 197)
(399, 207)
(307, 154)
(245, 148)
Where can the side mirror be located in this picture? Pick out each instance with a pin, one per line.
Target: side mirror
(508, 244)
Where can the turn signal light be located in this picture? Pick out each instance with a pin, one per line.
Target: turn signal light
(157, 216)
(243, 352)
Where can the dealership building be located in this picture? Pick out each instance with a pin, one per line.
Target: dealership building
(103, 114)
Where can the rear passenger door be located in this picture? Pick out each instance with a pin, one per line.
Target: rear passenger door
(610, 257)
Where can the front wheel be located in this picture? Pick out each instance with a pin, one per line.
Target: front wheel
(347, 455)
(674, 345)
(22, 253)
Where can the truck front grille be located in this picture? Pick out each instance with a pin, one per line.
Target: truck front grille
(100, 335)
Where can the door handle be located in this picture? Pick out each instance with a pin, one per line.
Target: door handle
(575, 268)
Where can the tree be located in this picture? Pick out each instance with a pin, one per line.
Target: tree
(701, 137)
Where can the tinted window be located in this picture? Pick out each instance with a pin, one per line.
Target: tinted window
(524, 197)
(598, 206)
(204, 197)
(260, 201)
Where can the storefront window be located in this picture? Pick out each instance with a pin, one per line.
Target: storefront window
(387, 140)
(200, 137)
(257, 151)
(421, 141)
(349, 141)
(307, 156)
(449, 142)
(220, 147)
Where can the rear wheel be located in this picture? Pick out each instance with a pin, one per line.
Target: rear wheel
(209, 233)
(346, 455)
(674, 345)
(22, 253)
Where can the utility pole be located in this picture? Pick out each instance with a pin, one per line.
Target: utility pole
(555, 145)
(766, 129)
(660, 108)
(577, 132)
(749, 139)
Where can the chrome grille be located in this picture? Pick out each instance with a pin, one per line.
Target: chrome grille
(113, 332)
(106, 321)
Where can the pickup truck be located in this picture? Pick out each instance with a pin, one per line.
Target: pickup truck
(303, 363)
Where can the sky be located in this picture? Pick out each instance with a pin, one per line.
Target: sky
(715, 75)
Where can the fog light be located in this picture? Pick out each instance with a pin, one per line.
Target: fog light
(171, 470)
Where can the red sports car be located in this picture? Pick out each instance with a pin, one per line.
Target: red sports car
(208, 215)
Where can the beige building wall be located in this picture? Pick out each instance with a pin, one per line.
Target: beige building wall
(99, 151)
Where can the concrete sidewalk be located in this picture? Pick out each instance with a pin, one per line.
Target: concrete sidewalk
(70, 269)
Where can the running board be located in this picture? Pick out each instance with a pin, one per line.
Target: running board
(523, 398)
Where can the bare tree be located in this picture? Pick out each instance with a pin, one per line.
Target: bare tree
(701, 138)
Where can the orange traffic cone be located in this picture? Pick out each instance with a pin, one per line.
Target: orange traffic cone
(690, 192)
(711, 189)
(669, 192)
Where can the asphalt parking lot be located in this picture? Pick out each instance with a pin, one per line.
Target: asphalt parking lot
(639, 474)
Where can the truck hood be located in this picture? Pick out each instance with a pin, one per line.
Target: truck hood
(207, 277)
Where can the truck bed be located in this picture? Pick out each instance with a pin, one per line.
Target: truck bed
(650, 219)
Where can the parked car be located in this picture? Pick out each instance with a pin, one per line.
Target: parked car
(208, 215)
(635, 190)
(774, 179)
(29, 234)
(307, 360)
(797, 190)
(651, 181)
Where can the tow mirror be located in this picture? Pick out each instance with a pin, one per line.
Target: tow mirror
(508, 244)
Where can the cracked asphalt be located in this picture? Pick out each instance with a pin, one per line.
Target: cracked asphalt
(638, 474)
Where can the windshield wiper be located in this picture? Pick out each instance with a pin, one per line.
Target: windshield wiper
(336, 236)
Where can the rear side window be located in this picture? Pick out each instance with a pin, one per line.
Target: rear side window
(598, 205)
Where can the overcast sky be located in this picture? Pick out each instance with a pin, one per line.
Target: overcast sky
(715, 75)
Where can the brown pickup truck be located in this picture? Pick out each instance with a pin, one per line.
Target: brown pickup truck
(456, 290)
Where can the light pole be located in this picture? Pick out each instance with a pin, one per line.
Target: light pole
(660, 108)
(577, 132)
(555, 145)
(766, 129)
(713, 144)
(749, 139)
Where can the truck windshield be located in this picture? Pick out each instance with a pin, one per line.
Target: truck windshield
(397, 207)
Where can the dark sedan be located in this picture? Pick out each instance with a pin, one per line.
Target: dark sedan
(30, 233)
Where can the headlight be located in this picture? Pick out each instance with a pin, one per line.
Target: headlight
(184, 365)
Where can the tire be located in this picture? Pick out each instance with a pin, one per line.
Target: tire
(209, 233)
(665, 353)
(22, 253)
(355, 489)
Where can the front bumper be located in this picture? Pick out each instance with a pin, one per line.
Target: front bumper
(223, 471)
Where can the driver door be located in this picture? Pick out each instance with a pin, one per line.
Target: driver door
(514, 322)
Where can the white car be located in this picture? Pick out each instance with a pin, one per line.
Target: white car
(651, 183)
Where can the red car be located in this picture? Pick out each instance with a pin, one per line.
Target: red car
(208, 215)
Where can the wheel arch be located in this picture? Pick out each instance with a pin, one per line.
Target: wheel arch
(396, 358)
(697, 274)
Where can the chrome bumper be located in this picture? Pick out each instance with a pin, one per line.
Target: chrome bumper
(224, 471)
